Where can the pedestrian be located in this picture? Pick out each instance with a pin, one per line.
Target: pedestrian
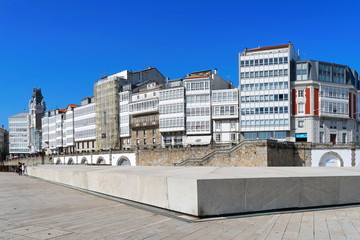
(23, 168)
(20, 168)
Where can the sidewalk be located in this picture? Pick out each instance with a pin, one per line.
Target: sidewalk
(34, 209)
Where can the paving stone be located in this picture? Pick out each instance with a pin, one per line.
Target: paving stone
(35, 209)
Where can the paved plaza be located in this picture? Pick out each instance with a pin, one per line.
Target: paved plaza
(35, 209)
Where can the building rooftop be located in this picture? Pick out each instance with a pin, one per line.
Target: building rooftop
(19, 115)
(268, 48)
(144, 70)
(73, 105)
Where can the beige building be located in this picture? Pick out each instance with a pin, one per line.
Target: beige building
(145, 131)
(144, 115)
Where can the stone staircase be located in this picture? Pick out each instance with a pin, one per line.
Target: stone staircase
(201, 161)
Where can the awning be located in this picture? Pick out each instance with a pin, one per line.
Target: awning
(198, 140)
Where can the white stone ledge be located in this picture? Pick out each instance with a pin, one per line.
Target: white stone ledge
(212, 191)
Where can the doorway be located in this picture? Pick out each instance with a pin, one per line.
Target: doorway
(333, 138)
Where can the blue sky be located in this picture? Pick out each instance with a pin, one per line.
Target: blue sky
(62, 46)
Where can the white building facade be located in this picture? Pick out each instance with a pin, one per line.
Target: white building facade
(19, 135)
(125, 128)
(68, 130)
(172, 114)
(225, 116)
(85, 125)
(265, 91)
(198, 87)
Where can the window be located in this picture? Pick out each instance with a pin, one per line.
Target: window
(333, 125)
(301, 71)
(301, 108)
(321, 123)
(300, 93)
(167, 140)
(217, 137)
(338, 74)
(217, 125)
(198, 126)
(343, 125)
(324, 72)
(300, 124)
(232, 125)
(178, 139)
(344, 138)
(321, 137)
(280, 60)
(232, 137)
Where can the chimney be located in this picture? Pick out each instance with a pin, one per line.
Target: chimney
(215, 71)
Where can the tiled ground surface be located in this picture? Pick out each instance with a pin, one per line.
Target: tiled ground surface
(33, 209)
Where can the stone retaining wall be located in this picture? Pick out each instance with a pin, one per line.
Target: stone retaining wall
(248, 153)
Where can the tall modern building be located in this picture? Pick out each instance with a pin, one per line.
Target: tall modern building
(286, 98)
(265, 96)
(19, 135)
